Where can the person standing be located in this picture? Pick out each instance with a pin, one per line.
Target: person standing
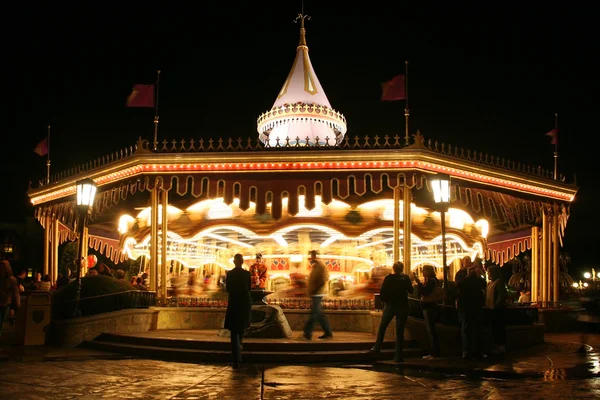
(461, 274)
(239, 306)
(470, 302)
(10, 295)
(495, 301)
(429, 291)
(394, 293)
(317, 288)
(258, 271)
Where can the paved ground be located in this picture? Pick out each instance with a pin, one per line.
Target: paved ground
(553, 370)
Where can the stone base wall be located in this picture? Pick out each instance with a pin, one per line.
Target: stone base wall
(72, 332)
(211, 318)
(189, 317)
(560, 319)
(340, 320)
(517, 336)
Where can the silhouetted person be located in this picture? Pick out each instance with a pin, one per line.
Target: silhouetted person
(239, 306)
(63, 281)
(470, 302)
(495, 300)
(461, 274)
(430, 312)
(103, 269)
(10, 295)
(394, 293)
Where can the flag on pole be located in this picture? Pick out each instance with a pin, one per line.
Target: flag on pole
(394, 89)
(553, 135)
(141, 96)
(42, 147)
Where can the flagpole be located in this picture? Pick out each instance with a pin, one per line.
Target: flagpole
(406, 109)
(48, 161)
(556, 146)
(156, 111)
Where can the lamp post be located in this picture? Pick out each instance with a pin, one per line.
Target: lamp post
(440, 185)
(86, 192)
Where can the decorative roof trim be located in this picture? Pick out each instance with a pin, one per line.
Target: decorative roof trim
(347, 186)
(505, 247)
(385, 160)
(111, 248)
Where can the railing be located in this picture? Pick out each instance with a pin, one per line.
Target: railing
(549, 304)
(289, 303)
(355, 143)
(327, 304)
(205, 302)
(105, 303)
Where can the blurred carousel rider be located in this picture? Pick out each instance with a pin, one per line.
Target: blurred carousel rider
(258, 272)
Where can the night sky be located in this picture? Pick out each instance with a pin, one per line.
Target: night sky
(484, 79)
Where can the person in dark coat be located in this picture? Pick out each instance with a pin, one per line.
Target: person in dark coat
(394, 293)
(430, 312)
(470, 302)
(239, 306)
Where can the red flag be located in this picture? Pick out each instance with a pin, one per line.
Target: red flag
(394, 89)
(554, 135)
(141, 96)
(42, 147)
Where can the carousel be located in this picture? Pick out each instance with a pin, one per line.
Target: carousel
(302, 184)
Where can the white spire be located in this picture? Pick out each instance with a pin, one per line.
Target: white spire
(301, 113)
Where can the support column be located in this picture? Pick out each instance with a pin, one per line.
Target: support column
(407, 225)
(163, 247)
(396, 225)
(54, 251)
(535, 263)
(545, 259)
(85, 249)
(47, 244)
(555, 259)
(153, 239)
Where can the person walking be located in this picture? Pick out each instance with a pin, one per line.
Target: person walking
(394, 293)
(239, 306)
(317, 288)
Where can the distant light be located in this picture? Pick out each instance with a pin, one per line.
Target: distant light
(585, 284)
(587, 275)
(575, 284)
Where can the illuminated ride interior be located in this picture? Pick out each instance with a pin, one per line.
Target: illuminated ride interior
(349, 241)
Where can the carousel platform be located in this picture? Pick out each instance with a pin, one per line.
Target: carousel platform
(205, 345)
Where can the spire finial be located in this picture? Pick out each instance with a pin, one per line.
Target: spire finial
(302, 17)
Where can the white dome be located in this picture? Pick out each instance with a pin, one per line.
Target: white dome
(301, 114)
